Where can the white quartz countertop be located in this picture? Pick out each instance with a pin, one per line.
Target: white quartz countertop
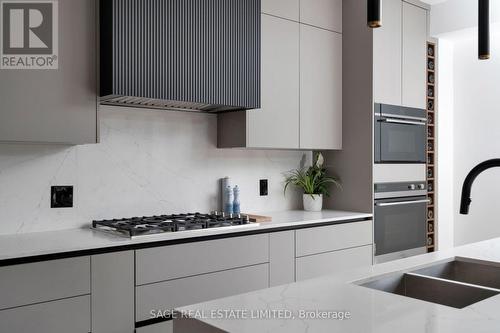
(31, 245)
(370, 310)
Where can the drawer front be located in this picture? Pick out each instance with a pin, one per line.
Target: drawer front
(44, 281)
(168, 295)
(71, 315)
(178, 261)
(332, 238)
(165, 327)
(332, 262)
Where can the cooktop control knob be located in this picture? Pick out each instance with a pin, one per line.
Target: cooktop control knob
(411, 187)
(421, 187)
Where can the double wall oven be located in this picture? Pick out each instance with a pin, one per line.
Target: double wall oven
(400, 220)
(400, 134)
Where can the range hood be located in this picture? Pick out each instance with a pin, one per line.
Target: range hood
(189, 55)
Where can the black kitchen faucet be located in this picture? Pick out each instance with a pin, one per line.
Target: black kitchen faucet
(469, 180)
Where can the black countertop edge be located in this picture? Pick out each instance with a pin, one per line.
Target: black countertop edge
(138, 246)
(152, 321)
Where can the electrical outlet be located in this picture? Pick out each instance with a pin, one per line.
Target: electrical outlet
(61, 197)
(263, 184)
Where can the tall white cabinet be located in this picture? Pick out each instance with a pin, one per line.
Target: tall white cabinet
(320, 88)
(399, 49)
(414, 46)
(280, 87)
(387, 55)
(301, 80)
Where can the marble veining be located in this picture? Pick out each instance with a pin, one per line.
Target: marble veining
(148, 162)
(371, 310)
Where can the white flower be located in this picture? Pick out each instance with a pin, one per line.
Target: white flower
(319, 160)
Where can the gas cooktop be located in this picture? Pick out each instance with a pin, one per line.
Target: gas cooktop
(148, 225)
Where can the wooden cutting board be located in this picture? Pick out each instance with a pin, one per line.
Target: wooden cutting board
(259, 218)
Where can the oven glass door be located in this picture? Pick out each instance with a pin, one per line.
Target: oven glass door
(400, 224)
(402, 141)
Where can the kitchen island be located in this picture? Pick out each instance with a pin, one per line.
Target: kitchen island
(339, 303)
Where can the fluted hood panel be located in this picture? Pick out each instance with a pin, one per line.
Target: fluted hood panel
(197, 55)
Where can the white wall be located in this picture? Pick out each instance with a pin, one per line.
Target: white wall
(476, 135)
(445, 150)
(455, 15)
(148, 162)
(469, 113)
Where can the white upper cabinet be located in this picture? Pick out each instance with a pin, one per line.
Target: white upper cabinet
(56, 105)
(414, 56)
(320, 89)
(288, 9)
(399, 55)
(301, 81)
(326, 14)
(387, 55)
(276, 125)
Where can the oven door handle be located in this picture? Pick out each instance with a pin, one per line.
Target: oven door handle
(405, 122)
(399, 203)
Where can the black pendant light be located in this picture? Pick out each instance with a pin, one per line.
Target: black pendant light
(375, 13)
(484, 29)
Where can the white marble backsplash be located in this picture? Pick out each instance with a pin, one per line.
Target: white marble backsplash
(148, 162)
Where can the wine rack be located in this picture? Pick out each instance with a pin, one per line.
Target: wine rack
(431, 146)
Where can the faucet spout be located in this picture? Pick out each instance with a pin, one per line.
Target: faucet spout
(469, 180)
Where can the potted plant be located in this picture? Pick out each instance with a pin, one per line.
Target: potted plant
(314, 182)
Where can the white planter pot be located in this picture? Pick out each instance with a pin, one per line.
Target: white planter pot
(313, 203)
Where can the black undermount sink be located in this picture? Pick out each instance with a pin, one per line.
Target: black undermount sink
(457, 283)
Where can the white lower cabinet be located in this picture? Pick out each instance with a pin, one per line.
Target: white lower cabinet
(333, 238)
(165, 296)
(332, 262)
(165, 327)
(113, 298)
(44, 281)
(195, 258)
(281, 258)
(71, 315)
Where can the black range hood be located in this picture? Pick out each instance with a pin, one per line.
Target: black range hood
(188, 55)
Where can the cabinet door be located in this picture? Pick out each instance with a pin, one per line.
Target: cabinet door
(56, 105)
(70, 315)
(333, 262)
(113, 296)
(44, 281)
(163, 263)
(288, 9)
(281, 258)
(276, 125)
(169, 295)
(320, 88)
(326, 14)
(333, 237)
(387, 55)
(414, 56)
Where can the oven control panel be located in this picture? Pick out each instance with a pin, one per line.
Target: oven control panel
(400, 189)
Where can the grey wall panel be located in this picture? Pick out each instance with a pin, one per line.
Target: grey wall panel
(354, 164)
(198, 51)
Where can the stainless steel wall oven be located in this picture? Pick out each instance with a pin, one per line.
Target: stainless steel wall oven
(400, 220)
(400, 134)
